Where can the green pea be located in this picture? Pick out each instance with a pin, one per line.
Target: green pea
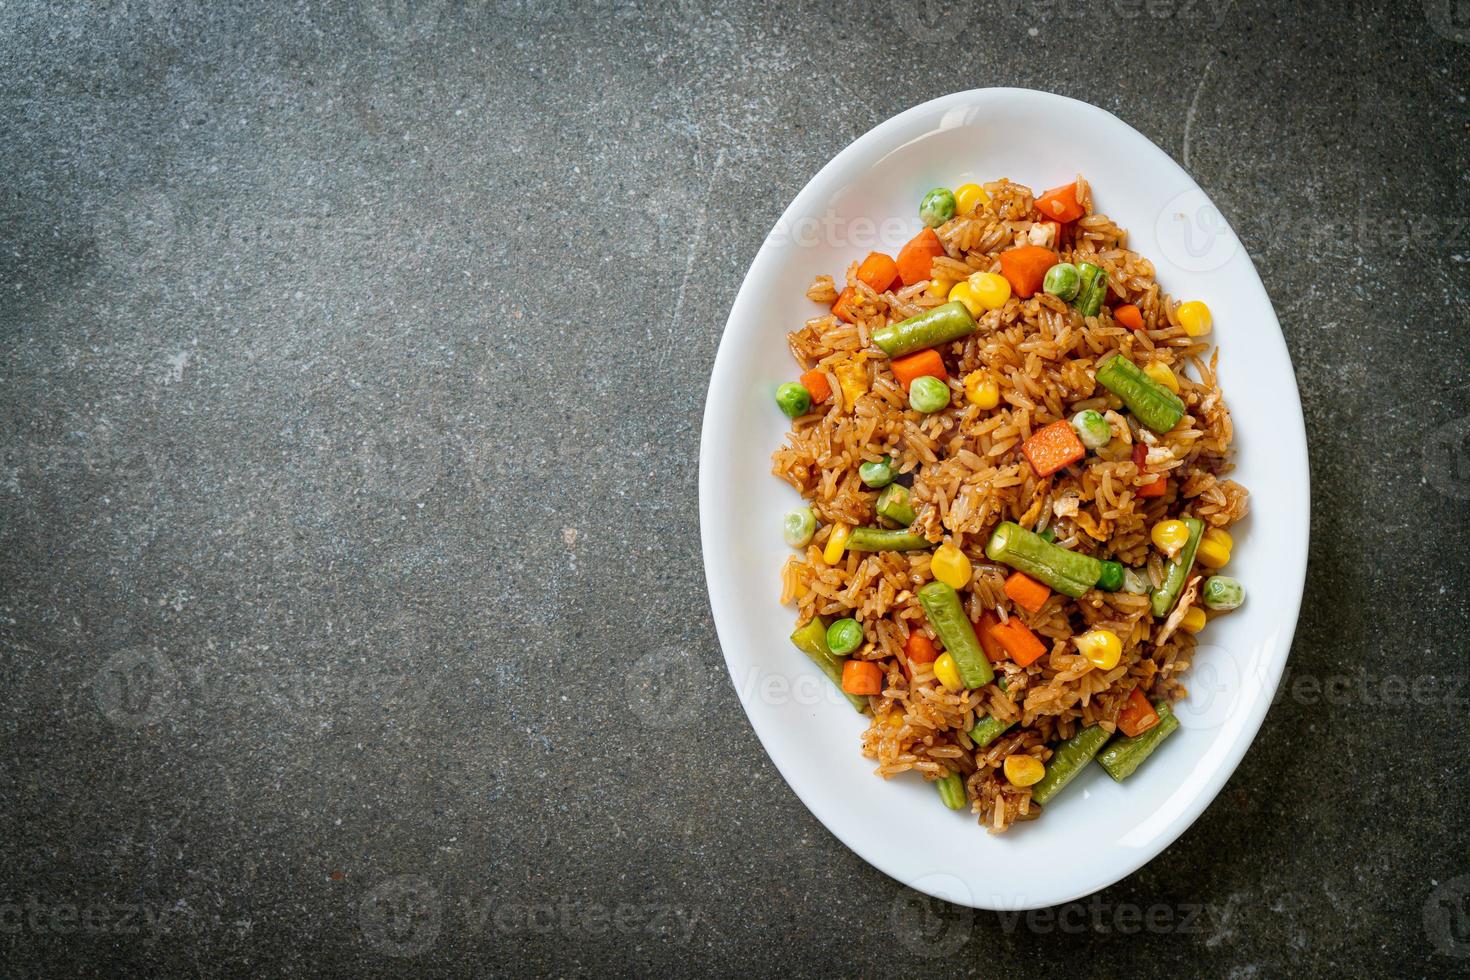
(1092, 429)
(1223, 592)
(1062, 281)
(794, 399)
(880, 474)
(844, 636)
(928, 395)
(937, 207)
(798, 526)
(1111, 579)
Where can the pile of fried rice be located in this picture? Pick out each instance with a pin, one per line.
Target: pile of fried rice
(968, 475)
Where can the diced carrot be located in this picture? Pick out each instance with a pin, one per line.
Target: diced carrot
(862, 677)
(1061, 203)
(925, 362)
(815, 382)
(920, 649)
(916, 259)
(1019, 642)
(1053, 447)
(878, 271)
(1159, 487)
(1137, 716)
(994, 652)
(1026, 592)
(1130, 316)
(1025, 268)
(842, 309)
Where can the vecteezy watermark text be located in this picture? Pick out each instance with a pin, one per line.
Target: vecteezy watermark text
(34, 915)
(405, 915)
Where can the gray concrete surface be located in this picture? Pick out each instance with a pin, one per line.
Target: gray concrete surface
(348, 527)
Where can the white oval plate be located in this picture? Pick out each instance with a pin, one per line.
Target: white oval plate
(1097, 831)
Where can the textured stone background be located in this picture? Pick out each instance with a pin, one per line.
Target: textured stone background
(349, 550)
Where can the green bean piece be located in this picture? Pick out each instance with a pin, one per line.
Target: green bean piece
(1166, 595)
(1223, 592)
(798, 526)
(952, 791)
(1092, 428)
(937, 207)
(988, 729)
(928, 395)
(1111, 579)
(940, 325)
(793, 399)
(811, 639)
(1069, 572)
(1070, 758)
(1094, 288)
(1049, 535)
(946, 614)
(1154, 405)
(1062, 281)
(893, 504)
(844, 636)
(878, 474)
(882, 539)
(1124, 755)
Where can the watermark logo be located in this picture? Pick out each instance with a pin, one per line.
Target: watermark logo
(136, 688)
(925, 20)
(1216, 683)
(1446, 462)
(928, 926)
(1449, 19)
(140, 225)
(1193, 234)
(1447, 917)
(668, 689)
(402, 460)
(401, 916)
(402, 21)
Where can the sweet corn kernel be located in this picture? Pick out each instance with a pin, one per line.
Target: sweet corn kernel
(836, 543)
(980, 390)
(965, 293)
(1193, 621)
(939, 288)
(967, 196)
(950, 566)
(990, 289)
(895, 720)
(1102, 648)
(1214, 548)
(1160, 372)
(1170, 536)
(1195, 318)
(947, 672)
(1024, 770)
